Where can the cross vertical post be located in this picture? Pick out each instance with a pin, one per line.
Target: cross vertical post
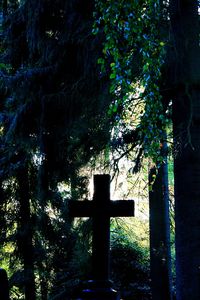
(101, 228)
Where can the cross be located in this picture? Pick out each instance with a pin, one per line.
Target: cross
(101, 209)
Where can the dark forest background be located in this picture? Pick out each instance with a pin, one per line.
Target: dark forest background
(84, 81)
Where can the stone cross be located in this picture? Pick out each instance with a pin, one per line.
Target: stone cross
(101, 209)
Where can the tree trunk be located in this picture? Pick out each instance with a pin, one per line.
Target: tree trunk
(4, 286)
(160, 254)
(186, 122)
(43, 287)
(5, 8)
(25, 240)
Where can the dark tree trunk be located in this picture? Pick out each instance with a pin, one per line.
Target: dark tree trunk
(2, 216)
(5, 8)
(43, 287)
(186, 122)
(160, 253)
(4, 286)
(25, 240)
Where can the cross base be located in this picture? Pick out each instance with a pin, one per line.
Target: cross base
(98, 290)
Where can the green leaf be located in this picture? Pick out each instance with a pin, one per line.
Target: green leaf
(113, 76)
(162, 44)
(101, 61)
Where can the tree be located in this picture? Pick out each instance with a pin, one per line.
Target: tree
(25, 231)
(135, 42)
(49, 69)
(185, 79)
(53, 110)
(160, 252)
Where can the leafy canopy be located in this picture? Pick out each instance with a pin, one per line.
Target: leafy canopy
(133, 54)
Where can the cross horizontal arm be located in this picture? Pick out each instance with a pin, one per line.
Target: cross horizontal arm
(80, 208)
(86, 208)
(121, 208)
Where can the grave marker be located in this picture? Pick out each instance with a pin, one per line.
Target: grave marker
(101, 209)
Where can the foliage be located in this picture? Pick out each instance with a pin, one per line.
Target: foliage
(57, 113)
(52, 79)
(130, 264)
(52, 120)
(134, 53)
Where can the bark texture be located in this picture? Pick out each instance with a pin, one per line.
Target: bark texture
(161, 280)
(186, 122)
(25, 239)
